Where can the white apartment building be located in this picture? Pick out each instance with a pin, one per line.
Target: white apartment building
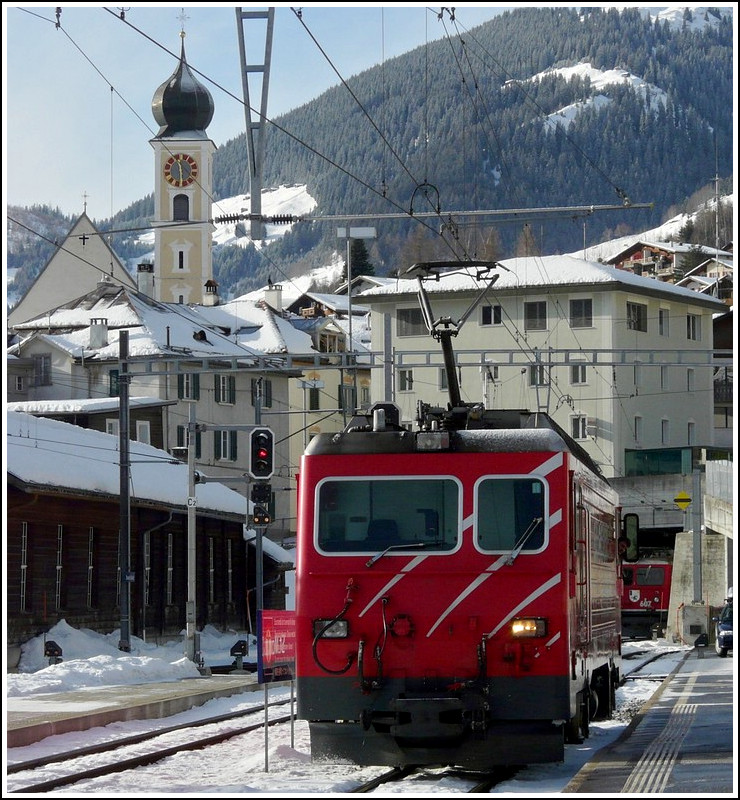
(622, 362)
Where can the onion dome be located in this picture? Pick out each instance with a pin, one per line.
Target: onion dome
(182, 103)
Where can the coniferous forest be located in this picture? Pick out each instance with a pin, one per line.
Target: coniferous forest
(479, 121)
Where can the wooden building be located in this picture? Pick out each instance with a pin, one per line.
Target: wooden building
(62, 552)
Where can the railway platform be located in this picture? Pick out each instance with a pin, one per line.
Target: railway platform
(31, 719)
(682, 742)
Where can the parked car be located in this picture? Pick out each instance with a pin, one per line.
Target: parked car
(723, 628)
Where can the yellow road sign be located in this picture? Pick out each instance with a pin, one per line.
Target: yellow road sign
(682, 500)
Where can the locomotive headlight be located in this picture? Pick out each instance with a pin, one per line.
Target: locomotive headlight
(529, 626)
(339, 629)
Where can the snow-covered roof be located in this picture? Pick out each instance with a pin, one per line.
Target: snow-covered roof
(46, 452)
(669, 247)
(83, 405)
(533, 272)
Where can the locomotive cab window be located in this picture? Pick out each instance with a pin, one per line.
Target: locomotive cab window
(510, 514)
(371, 514)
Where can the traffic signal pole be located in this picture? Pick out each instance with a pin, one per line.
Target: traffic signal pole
(261, 468)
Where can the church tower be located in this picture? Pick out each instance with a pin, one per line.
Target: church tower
(183, 156)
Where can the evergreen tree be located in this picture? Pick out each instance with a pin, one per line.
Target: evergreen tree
(360, 259)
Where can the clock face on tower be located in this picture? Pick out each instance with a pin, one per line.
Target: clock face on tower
(180, 170)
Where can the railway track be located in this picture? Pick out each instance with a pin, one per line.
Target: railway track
(470, 781)
(73, 769)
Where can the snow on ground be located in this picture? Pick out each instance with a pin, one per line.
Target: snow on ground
(278, 763)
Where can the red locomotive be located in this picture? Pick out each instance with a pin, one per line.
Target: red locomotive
(646, 595)
(457, 597)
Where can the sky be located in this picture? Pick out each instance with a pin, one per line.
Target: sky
(93, 660)
(77, 99)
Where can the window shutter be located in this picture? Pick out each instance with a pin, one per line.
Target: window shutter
(181, 386)
(232, 445)
(196, 386)
(232, 389)
(217, 445)
(217, 387)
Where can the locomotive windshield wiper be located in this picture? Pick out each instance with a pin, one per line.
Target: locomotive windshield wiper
(523, 539)
(408, 546)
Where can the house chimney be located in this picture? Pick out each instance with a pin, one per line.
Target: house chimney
(274, 296)
(210, 297)
(98, 333)
(145, 278)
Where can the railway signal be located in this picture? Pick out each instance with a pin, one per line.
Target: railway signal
(261, 453)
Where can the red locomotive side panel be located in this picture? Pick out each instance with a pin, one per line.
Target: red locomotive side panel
(455, 606)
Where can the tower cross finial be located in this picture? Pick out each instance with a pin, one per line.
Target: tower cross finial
(85, 195)
(182, 17)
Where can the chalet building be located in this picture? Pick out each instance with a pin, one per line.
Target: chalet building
(663, 261)
(62, 551)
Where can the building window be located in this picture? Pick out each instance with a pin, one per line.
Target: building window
(691, 433)
(181, 207)
(42, 369)
(170, 576)
(113, 384)
(59, 569)
(578, 427)
(664, 378)
(24, 567)
(182, 436)
(490, 315)
(535, 316)
(188, 386)
(91, 598)
(111, 426)
(442, 380)
(229, 571)
(147, 546)
(225, 389)
(693, 327)
(577, 374)
(314, 398)
(538, 375)
(690, 383)
(638, 429)
(405, 380)
(410, 322)
(20, 383)
(180, 260)
(636, 317)
(637, 373)
(261, 392)
(664, 431)
(346, 397)
(224, 445)
(143, 431)
(581, 313)
(663, 322)
(365, 396)
(211, 570)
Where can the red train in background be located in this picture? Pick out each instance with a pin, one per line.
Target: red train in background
(457, 594)
(646, 594)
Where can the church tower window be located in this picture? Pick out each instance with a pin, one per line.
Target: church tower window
(181, 208)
